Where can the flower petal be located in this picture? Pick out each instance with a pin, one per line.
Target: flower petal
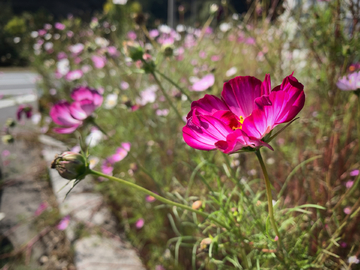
(82, 109)
(207, 105)
(240, 93)
(66, 130)
(83, 92)
(284, 107)
(204, 135)
(60, 114)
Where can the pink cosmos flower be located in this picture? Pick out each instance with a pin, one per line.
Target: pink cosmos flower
(24, 109)
(350, 82)
(121, 152)
(112, 51)
(139, 223)
(42, 207)
(131, 35)
(246, 113)
(354, 173)
(59, 26)
(42, 32)
(149, 198)
(99, 61)
(204, 83)
(107, 166)
(64, 223)
(71, 116)
(153, 33)
(74, 75)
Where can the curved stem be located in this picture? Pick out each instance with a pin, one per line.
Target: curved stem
(175, 84)
(158, 197)
(268, 193)
(166, 96)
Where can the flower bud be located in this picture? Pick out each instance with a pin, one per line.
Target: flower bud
(133, 50)
(167, 50)
(10, 123)
(205, 244)
(7, 139)
(70, 165)
(196, 205)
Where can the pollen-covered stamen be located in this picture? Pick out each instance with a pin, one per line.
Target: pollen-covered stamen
(239, 126)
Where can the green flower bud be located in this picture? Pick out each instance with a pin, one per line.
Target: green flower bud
(70, 165)
(10, 123)
(7, 139)
(167, 50)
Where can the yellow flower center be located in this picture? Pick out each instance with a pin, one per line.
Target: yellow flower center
(241, 121)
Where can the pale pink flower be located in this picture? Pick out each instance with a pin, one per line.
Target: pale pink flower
(64, 223)
(204, 83)
(59, 26)
(74, 75)
(99, 61)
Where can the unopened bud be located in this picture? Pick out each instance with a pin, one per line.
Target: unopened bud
(10, 123)
(7, 139)
(214, 8)
(70, 165)
(205, 244)
(196, 205)
(133, 50)
(167, 50)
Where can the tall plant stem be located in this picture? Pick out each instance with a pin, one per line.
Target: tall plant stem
(167, 96)
(175, 84)
(158, 197)
(269, 196)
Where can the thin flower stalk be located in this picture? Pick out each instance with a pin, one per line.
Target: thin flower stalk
(175, 84)
(268, 194)
(167, 96)
(160, 198)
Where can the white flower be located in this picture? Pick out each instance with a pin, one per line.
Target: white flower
(119, 2)
(34, 34)
(94, 138)
(17, 39)
(102, 42)
(63, 66)
(77, 48)
(93, 161)
(232, 71)
(180, 28)
(164, 29)
(224, 27)
(147, 96)
(111, 101)
(48, 46)
(353, 259)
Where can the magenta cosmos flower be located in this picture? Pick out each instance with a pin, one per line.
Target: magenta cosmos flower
(246, 113)
(71, 116)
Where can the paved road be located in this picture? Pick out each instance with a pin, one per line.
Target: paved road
(16, 88)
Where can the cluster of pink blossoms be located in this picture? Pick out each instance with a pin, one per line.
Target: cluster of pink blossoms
(246, 113)
(71, 116)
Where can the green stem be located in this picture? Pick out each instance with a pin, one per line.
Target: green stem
(268, 193)
(158, 197)
(175, 84)
(167, 96)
